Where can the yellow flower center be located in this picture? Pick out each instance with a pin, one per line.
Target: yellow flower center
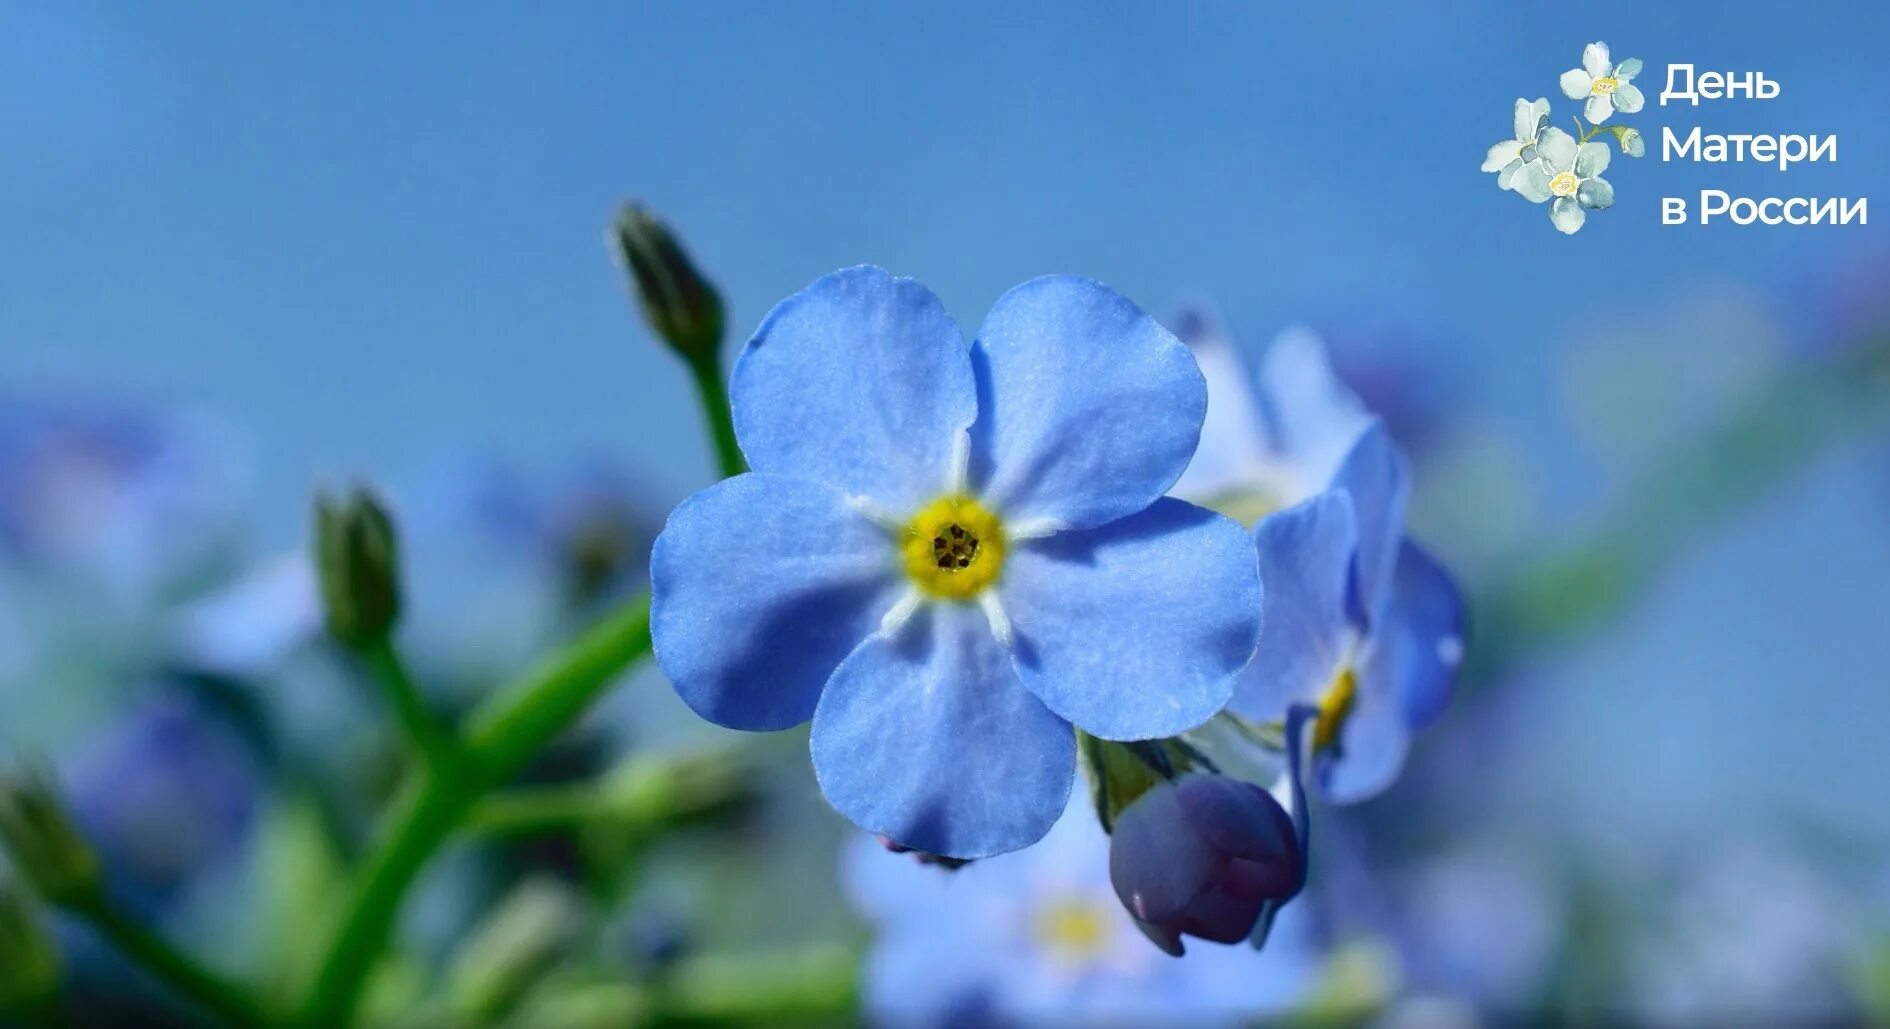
(1564, 185)
(1604, 85)
(1074, 929)
(1244, 506)
(954, 547)
(1334, 708)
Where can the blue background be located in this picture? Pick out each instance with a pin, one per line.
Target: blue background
(370, 236)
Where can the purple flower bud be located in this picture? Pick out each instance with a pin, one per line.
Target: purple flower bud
(1214, 857)
(1204, 856)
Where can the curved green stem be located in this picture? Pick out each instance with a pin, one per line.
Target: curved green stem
(504, 734)
(433, 739)
(711, 387)
(213, 992)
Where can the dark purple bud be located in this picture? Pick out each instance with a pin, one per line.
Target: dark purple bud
(1214, 857)
(1204, 856)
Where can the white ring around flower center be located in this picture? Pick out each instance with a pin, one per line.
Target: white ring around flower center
(1564, 185)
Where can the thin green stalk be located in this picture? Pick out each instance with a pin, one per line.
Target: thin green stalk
(506, 731)
(504, 734)
(433, 739)
(710, 386)
(539, 811)
(216, 994)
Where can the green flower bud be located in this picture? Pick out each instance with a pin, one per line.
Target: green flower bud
(523, 938)
(1629, 140)
(29, 964)
(44, 846)
(677, 301)
(357, 558)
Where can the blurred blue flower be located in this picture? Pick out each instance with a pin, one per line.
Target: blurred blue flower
(949, 553)
(1361, 622)
(1212, 856)
(1039, 938)
(1266, 449)
(1508, 157)
(166, 793)
(127, 502)
(1606, 87)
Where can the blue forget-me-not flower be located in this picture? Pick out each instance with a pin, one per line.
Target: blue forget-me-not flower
(1268, 448)
(950, 553)
(1303, 456)
(1362, 622)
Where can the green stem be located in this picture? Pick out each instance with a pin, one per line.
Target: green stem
(538, 812)
(506, 731)
(711, 387)
(433, 739)
(505, 734)
(215, 993)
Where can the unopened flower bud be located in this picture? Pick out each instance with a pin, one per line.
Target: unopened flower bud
(29, 964)
(357, 558)
(40, 838)
(1202, 856)
(1213, 856)
(677, 301)
(1629, 140)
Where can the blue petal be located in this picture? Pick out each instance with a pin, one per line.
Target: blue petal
(1232, 453)
(1429, 614)
(760, 586)
(1373, 741)
(1299, 724)
(926, 736)
(1135, 630)
(1312, 417)
(1378, 477)
(1305, 562)
(860, 381)
(1087, 408)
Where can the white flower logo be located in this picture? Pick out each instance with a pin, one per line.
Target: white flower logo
(1570, 173)
(1608, 88)
(1544, 163)
(1508, 157)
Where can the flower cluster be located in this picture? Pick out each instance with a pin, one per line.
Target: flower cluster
(959, 561)
(1545, 164)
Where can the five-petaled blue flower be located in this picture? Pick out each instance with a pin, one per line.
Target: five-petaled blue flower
(1361, 622)
(949, 553)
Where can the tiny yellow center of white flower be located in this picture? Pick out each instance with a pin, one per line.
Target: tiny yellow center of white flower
(1335, 706)
(1564, 185)
(1604, 85)
(953, 548)
(1076, 930)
